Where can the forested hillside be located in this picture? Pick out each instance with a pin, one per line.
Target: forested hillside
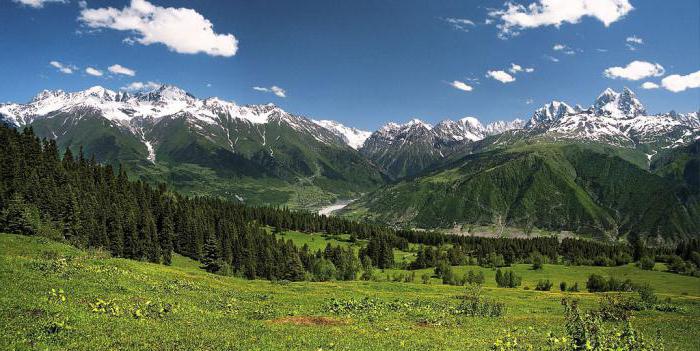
(554, 186)
(74, 199)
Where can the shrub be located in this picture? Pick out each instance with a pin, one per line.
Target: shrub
(425, 278)
(562, 286)
(543, 285)
(475, 305)
(646, 294)
(508, 279)
(597, 283)
(537, 261)
(646, 263)
(574, 288)
(474, 278)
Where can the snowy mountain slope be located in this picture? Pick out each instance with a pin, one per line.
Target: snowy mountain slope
(617, 119)
(354, 137)
(407, 149)
(170, 128)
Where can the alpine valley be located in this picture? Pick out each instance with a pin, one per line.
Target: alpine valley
(609, 169)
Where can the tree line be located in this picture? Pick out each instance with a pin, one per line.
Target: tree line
(70, 197)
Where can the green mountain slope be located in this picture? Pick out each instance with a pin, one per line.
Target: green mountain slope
(552, 186)
(270, 163)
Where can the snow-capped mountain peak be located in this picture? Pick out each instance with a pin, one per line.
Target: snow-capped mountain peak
(618, 105)
(354, 137)
(550, 113)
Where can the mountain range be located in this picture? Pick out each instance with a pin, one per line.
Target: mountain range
(261, 154)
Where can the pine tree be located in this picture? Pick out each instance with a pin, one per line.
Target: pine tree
(212, 255)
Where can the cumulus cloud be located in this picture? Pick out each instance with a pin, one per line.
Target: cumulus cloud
(63, 68)
(500, 76)
(516, 17)
(515, 68)
(649, 85)
(677, 83)
(141, 86)
(182, 30)
(37, 4)
(93, 72)
(635, 40)
(273, 89)
(635, 70)
(461, 86)
(460, 23)
(565, 49)
(119, 69)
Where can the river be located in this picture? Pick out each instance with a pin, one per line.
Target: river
(334, 207)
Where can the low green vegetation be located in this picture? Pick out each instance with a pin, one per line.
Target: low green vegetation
(54, 296)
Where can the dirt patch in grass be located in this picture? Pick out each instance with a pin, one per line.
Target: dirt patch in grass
(310, 320)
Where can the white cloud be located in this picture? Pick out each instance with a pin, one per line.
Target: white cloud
(649, 85)
(140, 86)
(634, 40)
(515, 17)
(551, 58)
(93, 72)
(500, 76)
(82, 4)
(273, 89)
(635, 70)
(529, 101)
(677, 83)
(182, 30)
(461, 85)
(565, 49)
(515, 68)
(37, 4)
(460, 23)
(63, 68)
(119, 69)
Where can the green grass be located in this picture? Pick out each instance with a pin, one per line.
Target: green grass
(220, 313)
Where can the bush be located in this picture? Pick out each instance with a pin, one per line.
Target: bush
(425, 278)
(597, 283)
(543, 285)
(646, 263)
(537, 261)
(562, 286)
(475, 305)
(508, 279)
(472, 278)
(574, 288)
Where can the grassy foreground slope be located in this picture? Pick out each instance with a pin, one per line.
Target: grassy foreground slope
(105, 303)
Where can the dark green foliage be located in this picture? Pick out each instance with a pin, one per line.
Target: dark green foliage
(562, 286)
(647, 263)
(380, 250)
(537, 261)
(598, 283)
(544, 285)
(508, 279)
(551, 186)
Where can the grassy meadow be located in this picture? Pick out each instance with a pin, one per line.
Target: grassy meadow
(56, 297)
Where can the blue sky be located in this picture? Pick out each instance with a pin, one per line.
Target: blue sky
(363, 63)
